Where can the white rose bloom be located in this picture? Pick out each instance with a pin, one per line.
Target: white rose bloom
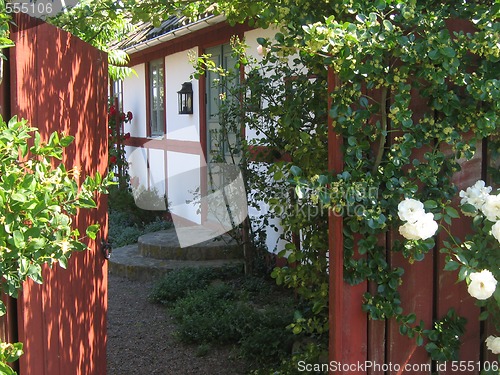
(491, 208)
(495, 230)
(410, 210)
(409, 231)
(482, 284)
(425, 227)
(493, 344)
(476, 194)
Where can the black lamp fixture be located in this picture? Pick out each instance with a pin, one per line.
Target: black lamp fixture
(186, 99)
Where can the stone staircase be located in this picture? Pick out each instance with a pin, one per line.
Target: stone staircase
(158, 253)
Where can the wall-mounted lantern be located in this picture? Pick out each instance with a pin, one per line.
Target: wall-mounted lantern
(186, 99)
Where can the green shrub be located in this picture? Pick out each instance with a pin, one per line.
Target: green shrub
(255, 285)
(157, 225)
(125, 236)
(223, 307)
(313, 353)
(178, 283)
(212, 315)
(125, 227)
(122, 200)
(267, 338)
(212, 311)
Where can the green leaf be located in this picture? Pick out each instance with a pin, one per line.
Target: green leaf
(403, 330)
(35, 273)
(452, 212)
(468, 208)
(278, 175)
(299, 192)
(430, 204)
(86, 203)
(63, 262)
(496, 295)
(434, 54)
(92, 231)
(411, 318)
(420, 340)
(37, 142)
(451, 266)
(448, 51)
(18, 239)
(323, 180)
(261, 41)
(388, 25)
(54, 139)
(484, 315)
(19, 197)
(6, 369)
(67, 140)
(296, 171)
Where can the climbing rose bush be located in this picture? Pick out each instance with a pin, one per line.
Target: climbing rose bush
(477, 256)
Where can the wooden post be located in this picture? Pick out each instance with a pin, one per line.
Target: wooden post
(335, 240)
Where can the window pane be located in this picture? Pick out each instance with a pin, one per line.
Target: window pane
(157, 102)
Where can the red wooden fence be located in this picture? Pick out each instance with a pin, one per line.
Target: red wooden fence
(427, 290)
(59, 83)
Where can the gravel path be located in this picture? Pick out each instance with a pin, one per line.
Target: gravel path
(140, 338)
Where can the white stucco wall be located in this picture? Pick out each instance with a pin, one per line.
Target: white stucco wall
(178, 70)
(183, 183)
(142, 178)
(157, 178)
(134, 100)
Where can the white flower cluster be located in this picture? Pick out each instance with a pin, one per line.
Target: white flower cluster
(419, 224)
(478, 195)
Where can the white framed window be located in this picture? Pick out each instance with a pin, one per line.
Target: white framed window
(157, 97)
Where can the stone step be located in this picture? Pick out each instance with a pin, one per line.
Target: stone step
(128, 262)
(165, 245)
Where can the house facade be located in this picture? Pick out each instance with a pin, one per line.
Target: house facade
(169, 143)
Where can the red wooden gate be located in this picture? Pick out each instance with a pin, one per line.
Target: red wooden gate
(59, 83)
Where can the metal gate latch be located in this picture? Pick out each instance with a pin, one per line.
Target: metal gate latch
(106, 249)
